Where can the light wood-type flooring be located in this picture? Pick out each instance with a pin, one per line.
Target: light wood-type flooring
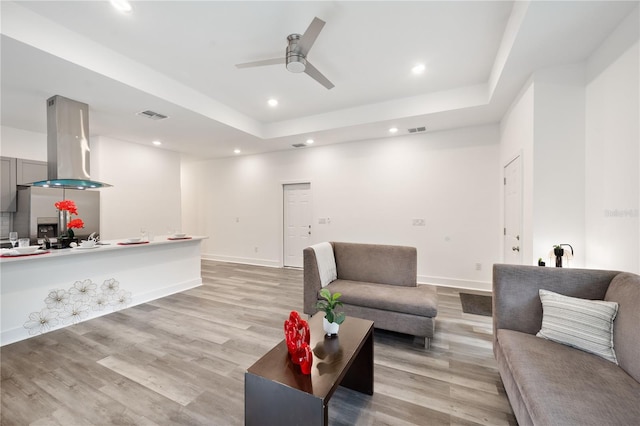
(181, 360)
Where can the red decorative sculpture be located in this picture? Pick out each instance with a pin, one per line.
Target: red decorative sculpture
(298, 337)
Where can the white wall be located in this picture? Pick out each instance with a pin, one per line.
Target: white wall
(516, 139)
(146, 181)
(577, 128)
(371, 191)
(20, 143)
(545, 125)
(613, 151)
(559, 162)
(146, 188)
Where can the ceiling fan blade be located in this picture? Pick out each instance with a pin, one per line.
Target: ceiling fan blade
(309, 37)
(313, 72)
(274, 61)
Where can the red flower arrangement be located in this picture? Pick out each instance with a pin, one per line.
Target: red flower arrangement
(75, 223)
(70, 206)
(297, 337)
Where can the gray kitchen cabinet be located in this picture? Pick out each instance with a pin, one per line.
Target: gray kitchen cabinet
(29, 171)
(7, 184)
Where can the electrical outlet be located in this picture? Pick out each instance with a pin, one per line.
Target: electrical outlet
(255, 249)
(418, 222)
(478, 266)
(322, 221)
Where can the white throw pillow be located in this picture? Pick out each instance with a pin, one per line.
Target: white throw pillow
(581, 323)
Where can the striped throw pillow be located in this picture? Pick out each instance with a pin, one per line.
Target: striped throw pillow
(581, 323)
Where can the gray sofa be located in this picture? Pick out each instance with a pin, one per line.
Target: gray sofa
(549, 383)
(378, 283)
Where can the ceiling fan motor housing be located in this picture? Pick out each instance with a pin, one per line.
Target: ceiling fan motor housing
(296, 62)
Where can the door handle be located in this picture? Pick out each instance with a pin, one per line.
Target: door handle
(515, 248)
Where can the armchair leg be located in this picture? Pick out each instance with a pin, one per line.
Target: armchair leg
(422, 341)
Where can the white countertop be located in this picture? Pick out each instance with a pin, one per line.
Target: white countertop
(107, 245)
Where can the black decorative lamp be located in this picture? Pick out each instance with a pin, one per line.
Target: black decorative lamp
(559, 252)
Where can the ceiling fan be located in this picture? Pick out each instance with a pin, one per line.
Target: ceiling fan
(296, 54)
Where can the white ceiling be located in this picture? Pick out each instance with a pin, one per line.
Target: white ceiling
(177, 58)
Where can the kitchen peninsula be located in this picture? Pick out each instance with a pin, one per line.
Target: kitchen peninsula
(63, 287)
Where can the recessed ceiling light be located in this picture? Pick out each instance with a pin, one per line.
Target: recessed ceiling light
(272, 102)
(310, 141)
(157, 143)
(237, 151)
(121, 5)
(418, 69)
(393, 130)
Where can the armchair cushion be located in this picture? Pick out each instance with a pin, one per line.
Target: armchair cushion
(410, 300)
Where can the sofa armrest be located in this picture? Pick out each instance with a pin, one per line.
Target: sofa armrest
(311, 281)
(516, 303)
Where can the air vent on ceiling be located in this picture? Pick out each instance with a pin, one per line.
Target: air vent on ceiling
(152, 115)
(299, 145)
(417, 129)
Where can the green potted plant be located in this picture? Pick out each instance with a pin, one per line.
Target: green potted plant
(332, 319)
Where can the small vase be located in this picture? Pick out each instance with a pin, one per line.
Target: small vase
(63, 220)
(559, 252)
(330, 328)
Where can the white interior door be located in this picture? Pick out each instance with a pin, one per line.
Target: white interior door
(297, 222)
(513, 212)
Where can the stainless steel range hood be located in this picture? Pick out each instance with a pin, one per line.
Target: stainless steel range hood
(68, 151)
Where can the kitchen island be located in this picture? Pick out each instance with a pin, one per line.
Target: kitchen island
(48, 291)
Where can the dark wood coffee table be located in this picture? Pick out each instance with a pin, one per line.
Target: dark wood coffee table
(277, 393)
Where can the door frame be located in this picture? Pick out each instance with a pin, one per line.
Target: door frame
(281, 185)
(511, 159)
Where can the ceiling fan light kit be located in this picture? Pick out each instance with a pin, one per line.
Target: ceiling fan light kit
(296, 63)
(295, 58)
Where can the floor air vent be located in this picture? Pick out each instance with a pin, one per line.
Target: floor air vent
(417, 129)
(153, 115)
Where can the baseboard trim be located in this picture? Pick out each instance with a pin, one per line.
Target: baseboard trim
(455, 283)
(422, 279)
(242, 260)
